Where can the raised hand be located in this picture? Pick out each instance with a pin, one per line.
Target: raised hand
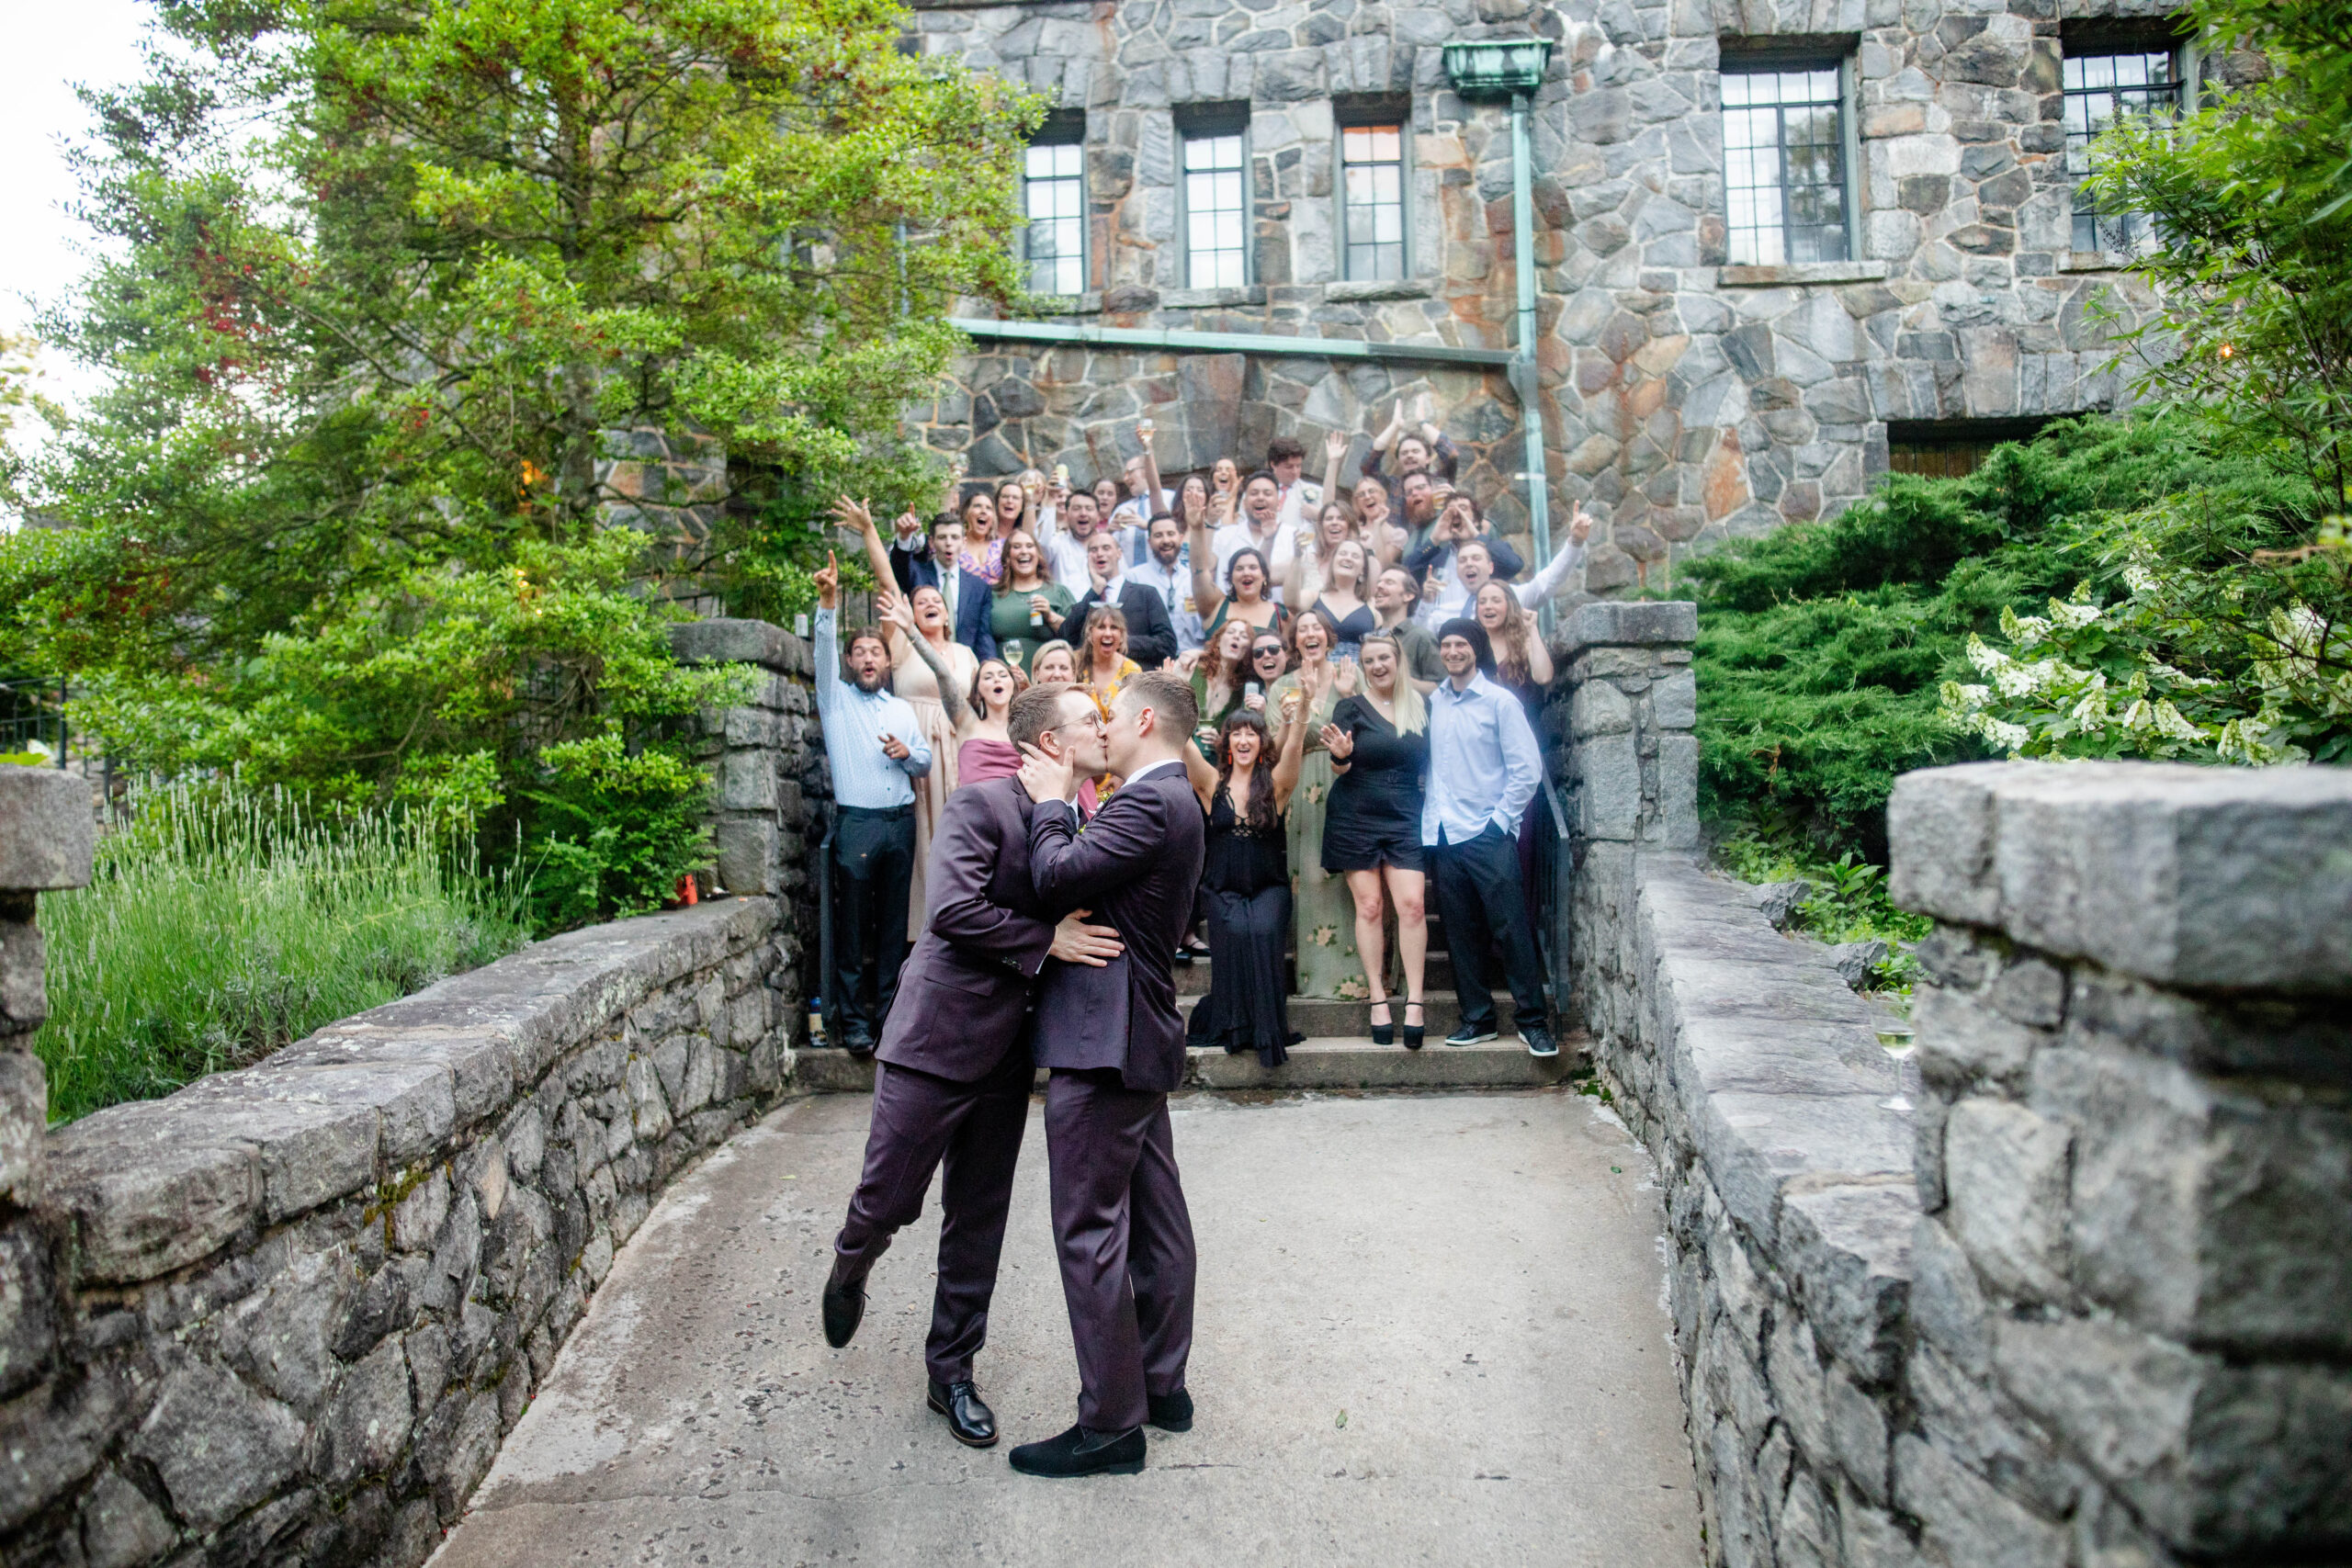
(1580, 526)
(1337, 741)
(894, 608)
(1344, 677)
(1335, 445)
(1075, 941)
(908, 525)
(858, 515)
(828, 579)
(1044, 778)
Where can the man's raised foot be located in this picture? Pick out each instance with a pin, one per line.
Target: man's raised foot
(1081, 1452)
(844, 1306)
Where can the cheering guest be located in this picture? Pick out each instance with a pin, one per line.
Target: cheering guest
(964, 594)
(1054, 663)
(1259, 529)
(1107, 667)
(931, 674)
(1338, 597)
(1218, 676)
(1379, 748)
(1420, 451)
(876, 750)
(1484, 769)
(1245, 887)
(1269, 660)
(1376, 525)
(1322, 912)
(1393, 597)
(1167, 574)
(1028, 605)
(1436, 555)
(986, 751)
(1249, 601)
(1150, 635)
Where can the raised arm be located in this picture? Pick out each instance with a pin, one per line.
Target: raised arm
(1150, 472)
(964, 856)
(1506, 560)
(1292, 758)
(1206, 594)
(1556, 571)
(1201, 775)
(828, 582)
(859, 515)
(898, 614)
(1335, 452)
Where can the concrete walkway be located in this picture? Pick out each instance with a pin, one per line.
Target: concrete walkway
(1429, 1330)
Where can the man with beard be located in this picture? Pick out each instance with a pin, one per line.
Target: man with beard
(1167, 573)
(877, 749)
(953, 1073)
(1116, 1044)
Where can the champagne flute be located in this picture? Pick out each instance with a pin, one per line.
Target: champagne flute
(1897, 1040)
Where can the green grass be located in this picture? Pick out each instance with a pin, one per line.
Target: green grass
(220, 928)
(1849, 902)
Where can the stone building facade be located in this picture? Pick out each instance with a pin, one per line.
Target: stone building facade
(1700, 375)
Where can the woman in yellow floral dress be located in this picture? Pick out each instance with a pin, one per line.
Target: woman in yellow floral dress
(1323, 912)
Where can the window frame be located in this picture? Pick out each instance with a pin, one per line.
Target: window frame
(2113, 42)
(1059, 131)
(1209, 124)
(1401, 121)
(1810, 55)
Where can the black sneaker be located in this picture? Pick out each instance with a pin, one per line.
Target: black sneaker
(1539, 1041)
(1471, 1034)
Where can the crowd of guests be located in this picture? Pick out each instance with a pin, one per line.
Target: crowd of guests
(1366, 668)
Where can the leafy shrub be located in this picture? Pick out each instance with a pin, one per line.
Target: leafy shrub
(1849, 902)
(613, 832)
(222, 926)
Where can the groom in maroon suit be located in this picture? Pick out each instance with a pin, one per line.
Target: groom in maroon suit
(952, 1074)
(1115, 1044)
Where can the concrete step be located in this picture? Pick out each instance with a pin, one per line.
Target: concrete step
(1315, 1064)
(1193, 979)
(1319, 1017)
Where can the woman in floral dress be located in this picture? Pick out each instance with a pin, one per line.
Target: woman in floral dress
(1323, 910)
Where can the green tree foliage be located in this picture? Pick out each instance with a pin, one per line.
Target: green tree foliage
(401, 285)
(1823, 647)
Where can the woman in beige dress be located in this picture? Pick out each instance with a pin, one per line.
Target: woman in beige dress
(935, 673)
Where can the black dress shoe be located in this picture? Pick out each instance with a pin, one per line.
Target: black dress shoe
(973, 1423)
(1169, 1412)
(1081, 1452)
(844, 1306)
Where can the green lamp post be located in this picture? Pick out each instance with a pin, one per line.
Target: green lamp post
(1513, 69)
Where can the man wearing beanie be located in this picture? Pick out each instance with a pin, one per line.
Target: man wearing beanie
(1484, 769)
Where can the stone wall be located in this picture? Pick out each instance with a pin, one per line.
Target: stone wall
(2084, 1308)
(284, 1315)
(1684, 398)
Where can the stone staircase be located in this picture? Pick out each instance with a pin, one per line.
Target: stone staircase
(1337, 1055)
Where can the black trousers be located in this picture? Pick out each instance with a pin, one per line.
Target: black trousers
(1485, 918)
(920, 1124)
(873, 866)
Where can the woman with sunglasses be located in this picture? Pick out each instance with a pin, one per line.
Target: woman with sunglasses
(1244, 885)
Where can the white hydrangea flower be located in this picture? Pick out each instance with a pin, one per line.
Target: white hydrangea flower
(2139, 580)
(1989, 659)
(2170, 722)
(2011, 738)
(2074, 617)
(1975, 696)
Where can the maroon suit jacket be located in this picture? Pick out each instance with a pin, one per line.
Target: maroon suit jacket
(964, 993)
(1135, 866)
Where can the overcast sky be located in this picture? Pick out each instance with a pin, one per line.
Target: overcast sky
(55, 44)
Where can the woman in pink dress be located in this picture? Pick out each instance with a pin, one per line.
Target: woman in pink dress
(986, 751)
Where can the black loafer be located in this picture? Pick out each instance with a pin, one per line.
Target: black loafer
(1169, 1412)
(844, 1307)
(973, 1422)
(1081, 1452)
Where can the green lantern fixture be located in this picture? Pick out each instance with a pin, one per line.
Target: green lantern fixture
(1497, 68)
(1513, 69)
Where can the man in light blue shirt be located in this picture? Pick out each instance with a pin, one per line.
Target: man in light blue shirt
(876, 750)
(1484, 769)
(1168, 571)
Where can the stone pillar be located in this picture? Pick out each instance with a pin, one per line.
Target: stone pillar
(1623, 705)
(765, 759)
(47, 837)
(2134, 1156)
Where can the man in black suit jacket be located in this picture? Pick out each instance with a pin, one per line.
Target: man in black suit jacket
(970, 598)
(952, 1074)
(1116, 1044)
(1151, 636)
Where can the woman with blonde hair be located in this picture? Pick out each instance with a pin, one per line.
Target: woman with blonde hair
(1378, 742)
(1054, 662)
(1103, 665)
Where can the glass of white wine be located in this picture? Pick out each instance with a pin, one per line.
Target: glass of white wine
(1896, 1039)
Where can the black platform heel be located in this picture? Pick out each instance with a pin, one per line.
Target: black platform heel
(1414, 1032)
(1383, 1033)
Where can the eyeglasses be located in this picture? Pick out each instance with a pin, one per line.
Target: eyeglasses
(1264, 650)
(1091, 720)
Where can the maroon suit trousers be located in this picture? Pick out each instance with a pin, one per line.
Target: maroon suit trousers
(1125, 1240)
(921, 1121)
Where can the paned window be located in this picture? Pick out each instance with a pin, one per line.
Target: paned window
(2099, 90)
(1372, 174)
(1784, 165)
(1053, 193)
(1216, 213)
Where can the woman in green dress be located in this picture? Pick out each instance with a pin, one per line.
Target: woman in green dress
(1323, 911)
(1028, 604)
(1220, 672)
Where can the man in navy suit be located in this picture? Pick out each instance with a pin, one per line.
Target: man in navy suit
(1151, 636)
(1116, 1044)
(952, 1074)
(967, 592)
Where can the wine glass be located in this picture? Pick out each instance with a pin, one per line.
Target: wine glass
(1897, 1040)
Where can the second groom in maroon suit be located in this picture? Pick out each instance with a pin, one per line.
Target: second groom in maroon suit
(952, 1074)
(1116, 1044)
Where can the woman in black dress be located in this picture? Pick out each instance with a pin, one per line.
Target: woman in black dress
(1245, 884)
(1378, 738)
